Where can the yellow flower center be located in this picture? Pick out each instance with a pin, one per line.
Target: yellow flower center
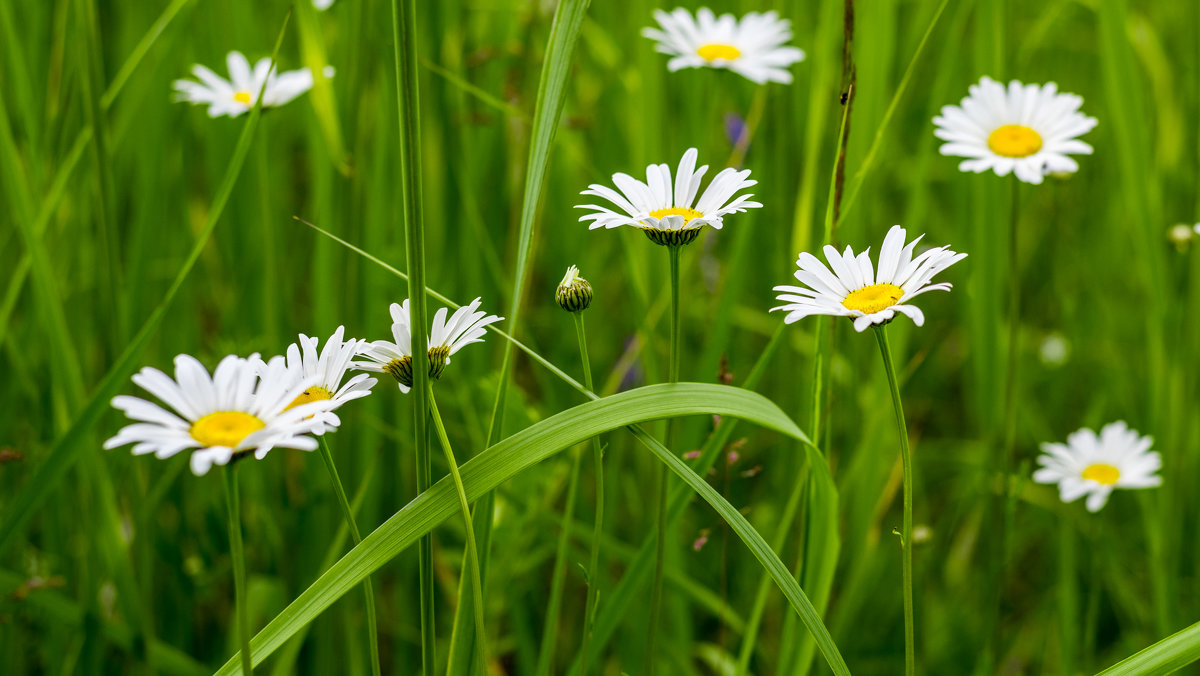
(1014, 140)
(314, 393)
(688, 214)
(873, 298)
(242, 98)
(716, 51)
(1102, 473)
(225, 428)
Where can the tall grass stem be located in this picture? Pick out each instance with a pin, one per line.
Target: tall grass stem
(404, 35)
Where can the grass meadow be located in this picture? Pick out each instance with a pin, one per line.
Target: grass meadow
(134, 228)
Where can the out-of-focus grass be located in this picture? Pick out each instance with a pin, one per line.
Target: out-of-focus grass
(135, 549)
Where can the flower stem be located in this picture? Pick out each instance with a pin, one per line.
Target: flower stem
(352, 525)
(1014, 332)
(598, 528)
(238, 554)
(472, 551)
(661, 508)
(910, 657)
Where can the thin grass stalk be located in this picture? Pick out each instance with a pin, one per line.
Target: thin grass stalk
(660, 510)
(564, 31)
(352, 526)
(238, 553)
(821, 393)
(404, 17)
(593, 598)
(472, 551)
(550, 626)
(869, 161)
(910, 665)
(53, 469)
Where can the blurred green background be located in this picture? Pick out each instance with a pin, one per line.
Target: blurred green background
(129, 555)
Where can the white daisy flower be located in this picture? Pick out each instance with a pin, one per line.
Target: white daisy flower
(1094, 465)
(669, 213)
(855, 289)
(328, 369)
(753, 47)
(238, 94)
(394, 357)
(235, 411)
(1027, 130)
(322, 5)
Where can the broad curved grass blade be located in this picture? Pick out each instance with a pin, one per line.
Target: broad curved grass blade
(1165, 657)
(526, 448)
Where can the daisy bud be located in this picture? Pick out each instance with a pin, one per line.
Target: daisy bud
(574, 293)
(1181, 235)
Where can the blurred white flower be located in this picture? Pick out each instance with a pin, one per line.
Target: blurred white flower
(855, 289)
(238, 94)
(669, 213)
(1094, 465)
(754, 47)
(322, 5)
(1028, 130)
(237, 410)
(1054, 350)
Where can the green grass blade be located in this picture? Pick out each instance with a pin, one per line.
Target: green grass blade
(404, 34)
(869, 161)
(564, 32)
(1165, 657)
(526, 448)
(66, 450)
(139, 52)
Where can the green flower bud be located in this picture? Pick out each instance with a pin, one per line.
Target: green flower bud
(574, 294)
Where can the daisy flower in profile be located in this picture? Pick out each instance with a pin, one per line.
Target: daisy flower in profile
(669, 213)
(240, 408)
(326, 370)
(754, 47)
(1094, 465)
(1026, 130)
(855, 289)
(238, 94)
(465, 326)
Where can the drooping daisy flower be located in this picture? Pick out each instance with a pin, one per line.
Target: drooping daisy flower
(328, 369)
(1094, 465)
(754, 47)
(855, 289)
(235, 411)
(1027, 130)
(464, 327)
(238, 94)
(669, 213)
